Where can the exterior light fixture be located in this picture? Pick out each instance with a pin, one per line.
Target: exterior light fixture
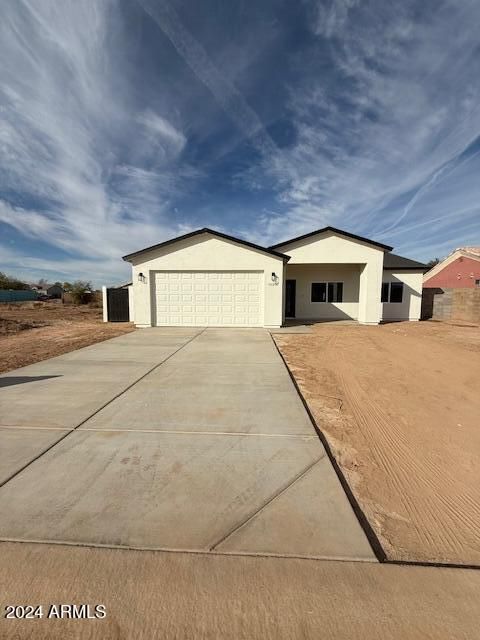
(141, 277)
(274, 276)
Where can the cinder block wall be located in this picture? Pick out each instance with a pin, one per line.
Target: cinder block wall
(451, 304)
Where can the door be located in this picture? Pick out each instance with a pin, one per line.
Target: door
(209, 298)
(117, 305)
(290, 294)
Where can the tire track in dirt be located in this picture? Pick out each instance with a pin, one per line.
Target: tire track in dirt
(412, 468)
(436, 517)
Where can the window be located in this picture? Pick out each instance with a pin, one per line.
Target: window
(327, 292)
(385, 289)
(392, 292)
(319, 292)
(477, 283)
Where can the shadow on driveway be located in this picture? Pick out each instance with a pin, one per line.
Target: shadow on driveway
(10, 381)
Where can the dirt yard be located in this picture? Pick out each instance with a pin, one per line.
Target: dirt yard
(400, 407)
(34, 331)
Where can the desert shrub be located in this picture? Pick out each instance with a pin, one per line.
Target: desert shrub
(81, 292)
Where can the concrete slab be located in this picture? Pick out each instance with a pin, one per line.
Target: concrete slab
(301, 328)
(126, 482)
(149, 490)
(19, 446)
(65, 405)
(223, 408)
(43, 375)
(265, 376)
(233, 335)
(225, 352)
(172, 596)
(154, 335)
(320, 522)
(151, 354)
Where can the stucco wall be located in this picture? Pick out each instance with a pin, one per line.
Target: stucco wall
(459, 274)
(131, 305)
(330, 248)
(410, 307)
(305, 274)
(206, 253)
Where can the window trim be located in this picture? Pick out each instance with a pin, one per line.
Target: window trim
(389, 292)
(327, 284)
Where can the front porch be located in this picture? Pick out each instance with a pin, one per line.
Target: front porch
(332, 292)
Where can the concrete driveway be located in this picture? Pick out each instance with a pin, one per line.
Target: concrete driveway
(179, 439)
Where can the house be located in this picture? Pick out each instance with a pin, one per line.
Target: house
(55, 291)
(210, 278)
(459, 270)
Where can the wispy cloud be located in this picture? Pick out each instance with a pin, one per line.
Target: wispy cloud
(114, 114)
(67, 118)
(387, 119)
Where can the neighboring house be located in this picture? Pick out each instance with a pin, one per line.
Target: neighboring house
(209, 278)
(55, 291)
(459, 270)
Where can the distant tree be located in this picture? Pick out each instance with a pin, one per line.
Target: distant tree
(67, 287)
(42, 283)
(431, 263)
(9, 282)
(81, 290)
(58, 284)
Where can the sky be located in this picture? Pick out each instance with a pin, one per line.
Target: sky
(127, 122)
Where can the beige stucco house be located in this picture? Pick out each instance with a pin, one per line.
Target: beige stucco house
(207, 278)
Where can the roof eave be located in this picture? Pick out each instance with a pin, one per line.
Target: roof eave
(384, 247)
(251, 245)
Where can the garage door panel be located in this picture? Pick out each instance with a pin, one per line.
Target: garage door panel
(208, 298)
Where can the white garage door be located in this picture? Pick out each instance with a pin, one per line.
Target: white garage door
(203, 298)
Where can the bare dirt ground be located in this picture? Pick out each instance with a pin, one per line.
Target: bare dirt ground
(400, 407)
(34, 331)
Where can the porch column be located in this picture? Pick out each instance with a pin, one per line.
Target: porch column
(369, 303)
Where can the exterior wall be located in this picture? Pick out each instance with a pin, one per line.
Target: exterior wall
(56, 291)
(331, 248)
(452, 304)
(459, 274)
(305, 274)
(410, 307)
(104, 304)
(131, 305)
(206, 253)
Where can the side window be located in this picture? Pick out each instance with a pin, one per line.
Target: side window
(396, 291)
(319, 292)
(392, 292)
(335, 292)
(327, 292)
(384, 291)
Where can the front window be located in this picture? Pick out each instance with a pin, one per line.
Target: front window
(392, 292)
(327, 292)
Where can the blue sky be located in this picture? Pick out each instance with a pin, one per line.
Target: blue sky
(126, 122)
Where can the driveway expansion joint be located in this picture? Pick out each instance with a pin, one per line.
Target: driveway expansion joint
(69, 431)
(272, 499)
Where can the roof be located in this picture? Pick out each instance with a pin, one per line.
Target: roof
(399, 263)
(385, 247)
(212, 232)
(473, 253)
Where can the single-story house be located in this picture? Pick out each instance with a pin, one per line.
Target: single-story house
(208, 278)
(55, 291)
(459, 270)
